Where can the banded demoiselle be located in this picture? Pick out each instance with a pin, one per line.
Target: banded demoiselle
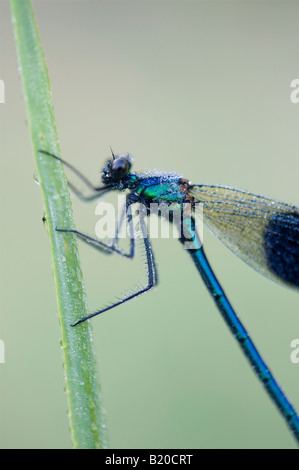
(261, 231)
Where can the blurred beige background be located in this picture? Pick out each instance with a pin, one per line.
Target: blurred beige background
(201, 88)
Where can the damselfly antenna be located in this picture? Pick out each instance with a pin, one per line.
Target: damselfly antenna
(113, 156)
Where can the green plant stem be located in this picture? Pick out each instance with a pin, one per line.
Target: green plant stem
(87, 426)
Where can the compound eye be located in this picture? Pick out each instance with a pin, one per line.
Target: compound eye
(119, 168)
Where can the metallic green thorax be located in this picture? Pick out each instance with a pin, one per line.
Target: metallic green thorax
(155, 189)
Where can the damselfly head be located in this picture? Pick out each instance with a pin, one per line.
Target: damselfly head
(117, 169)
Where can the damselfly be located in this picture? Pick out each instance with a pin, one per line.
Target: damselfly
(261, 231)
